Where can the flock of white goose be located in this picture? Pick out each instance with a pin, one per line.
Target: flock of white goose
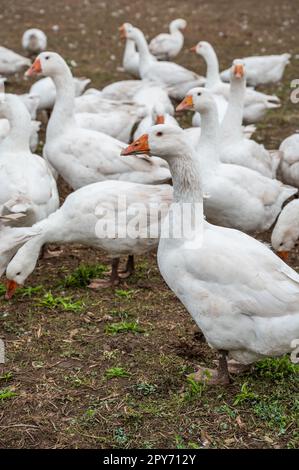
(125, 140)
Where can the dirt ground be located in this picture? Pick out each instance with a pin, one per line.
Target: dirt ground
(109, 369)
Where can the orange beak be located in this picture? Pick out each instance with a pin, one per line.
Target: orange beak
(284, 255)
(160, 119)
(122, 31)
(193, 49)
(11, 287)
(139, 146)
(35, 69)
(238, 71)
(187, 103)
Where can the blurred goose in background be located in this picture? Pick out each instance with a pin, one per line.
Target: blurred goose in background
(131, 55)
(34, 40)
(241, 295)
(84, 218)
(289, 164)
(235, 148)
(256, 103)
(236, 196)
(118, 122)
(158, 115)
(176, 78)
(285, 234)
(168, 46)
(34, 138)
(11, 62)
(46, 91)
(83, 156)
(26, 183)
(262, 70)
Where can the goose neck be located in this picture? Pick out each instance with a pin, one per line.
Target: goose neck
(130, 50)
(63, 111)
(208, 148)
(232, 123)
(144, 53)
(213, 75)
(187, 186)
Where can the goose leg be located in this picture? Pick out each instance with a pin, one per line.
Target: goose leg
(130, 268)
(219, 376)
(114, 277)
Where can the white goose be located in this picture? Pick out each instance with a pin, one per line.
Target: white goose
(157, 116)
(167, 46)
(289, 164)
(262, 70)
(46, 91)
(237, 196)
(176, 78)
(87, 217)
(123, 90)
(26, 183)
(256, 103)
(83, 156)
(285, 234)
(241, 295)
(34, 40)
(35, 127)
(11, 62)
(131, 55)
(235, 148)
(117, 123)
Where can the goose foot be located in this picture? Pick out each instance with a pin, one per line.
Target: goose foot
(111, 282)
(102, 283)
(46, 253)
(219, 376)
(235, 367)
(130, 268)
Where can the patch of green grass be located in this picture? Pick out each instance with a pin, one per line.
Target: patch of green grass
(116, 372)
(120, 436)
(64, 303)
(29, 291)
(276, 369)
(82, 276)
(6, 376)
(225, 409)
(145, 388)
(195, 389)
(126, 294)
(245, 395)
(124, 327)
(24, 291)
(273, 413)
(6, 393)
(2, 289)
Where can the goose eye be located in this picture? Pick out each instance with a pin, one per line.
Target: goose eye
(159, 134)
(18, 274)
(47, 57)
(199, 93)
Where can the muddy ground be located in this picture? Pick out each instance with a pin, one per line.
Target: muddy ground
(109, 368)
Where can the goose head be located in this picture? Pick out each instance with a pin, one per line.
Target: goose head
(179, 23)
(197, 99)
(163, 140)
(127, 31)
(48, 64)
(285, 235)
(19, 268)
(203, 48)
